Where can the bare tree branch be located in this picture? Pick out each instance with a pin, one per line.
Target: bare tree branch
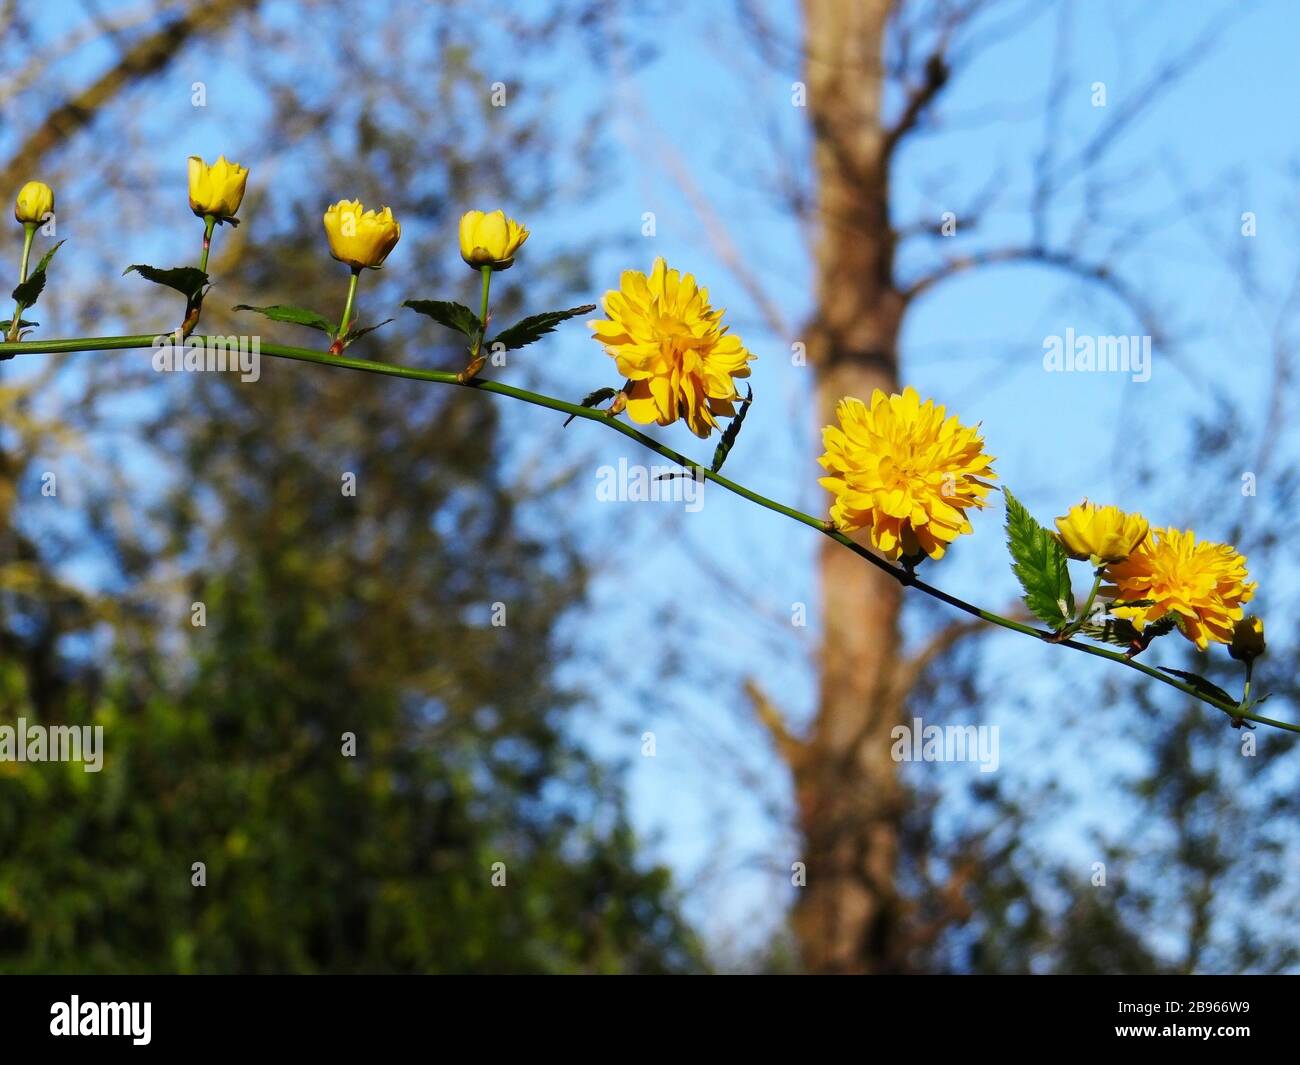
(68, 43)
(1099, 273)
(793, 751)
(911, 671)
(149, 55)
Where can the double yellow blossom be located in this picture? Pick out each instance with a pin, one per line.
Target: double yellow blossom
(1100, 534)
(1170, 572)
(216, 190)
(905, 472)
(490, 239)
(361, 239)
(35, 201)
(671, 345)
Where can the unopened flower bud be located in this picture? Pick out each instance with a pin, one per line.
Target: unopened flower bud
(35, 201)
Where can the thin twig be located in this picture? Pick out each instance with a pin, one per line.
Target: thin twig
(905, 577)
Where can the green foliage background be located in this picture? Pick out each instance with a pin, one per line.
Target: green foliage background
(326, 613)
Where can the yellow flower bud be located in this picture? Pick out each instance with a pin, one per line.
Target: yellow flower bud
(1101, 534)
(1247, 639)
(361, 238)
(35, 201)
(490, 239)
(217, 189)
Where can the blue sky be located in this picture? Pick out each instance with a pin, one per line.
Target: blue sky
(976, 344)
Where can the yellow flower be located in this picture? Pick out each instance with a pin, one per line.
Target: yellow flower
(904, 471)
(666, 339)
(361, 238)
(1247, 639)
(1102, 534)
(1204, 584)
(35, 201)
(490, 239)
(217, 189)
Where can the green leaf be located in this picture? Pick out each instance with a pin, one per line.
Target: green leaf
(453, 315)
(1119, 631)
(1163, 627)
(284, 312)
(1040, 565)
(523, 333)
(356, 334)
(1202, 685)
(187, 280)
(733, 431)
(1123, 633)
(23, 323)
(592, 398)
(45, 259)
(30, 290)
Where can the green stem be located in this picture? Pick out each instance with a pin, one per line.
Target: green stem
(1082, 619)
(209, 223)
(483, 310)
(445, 377)
(29, 234)
(347, 307)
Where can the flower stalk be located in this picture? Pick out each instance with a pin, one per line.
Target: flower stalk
(209, 224)
(477, 360)
(903, 471)
(1236, 712)
(29, 234)
(347, 307)
(1084, 614)
(483, 306)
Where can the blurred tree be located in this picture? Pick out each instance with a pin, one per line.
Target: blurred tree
(328, 615)
(906, 871)
(369, 613)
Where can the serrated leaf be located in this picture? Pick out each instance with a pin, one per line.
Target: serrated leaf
(356, 334)
(525, 332)
(1118, 631)
(1162, 627)
(453, 315)
(187, 280)
(732, 431)
(1039, 565)
(592, 398)
(30, 290)
(45, 259)
(1123, 633)
(1202, 685)
(284, 312)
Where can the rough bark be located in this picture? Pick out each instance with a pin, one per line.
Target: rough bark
(849, 795)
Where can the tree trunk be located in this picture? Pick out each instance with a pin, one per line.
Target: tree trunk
(849, 795)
